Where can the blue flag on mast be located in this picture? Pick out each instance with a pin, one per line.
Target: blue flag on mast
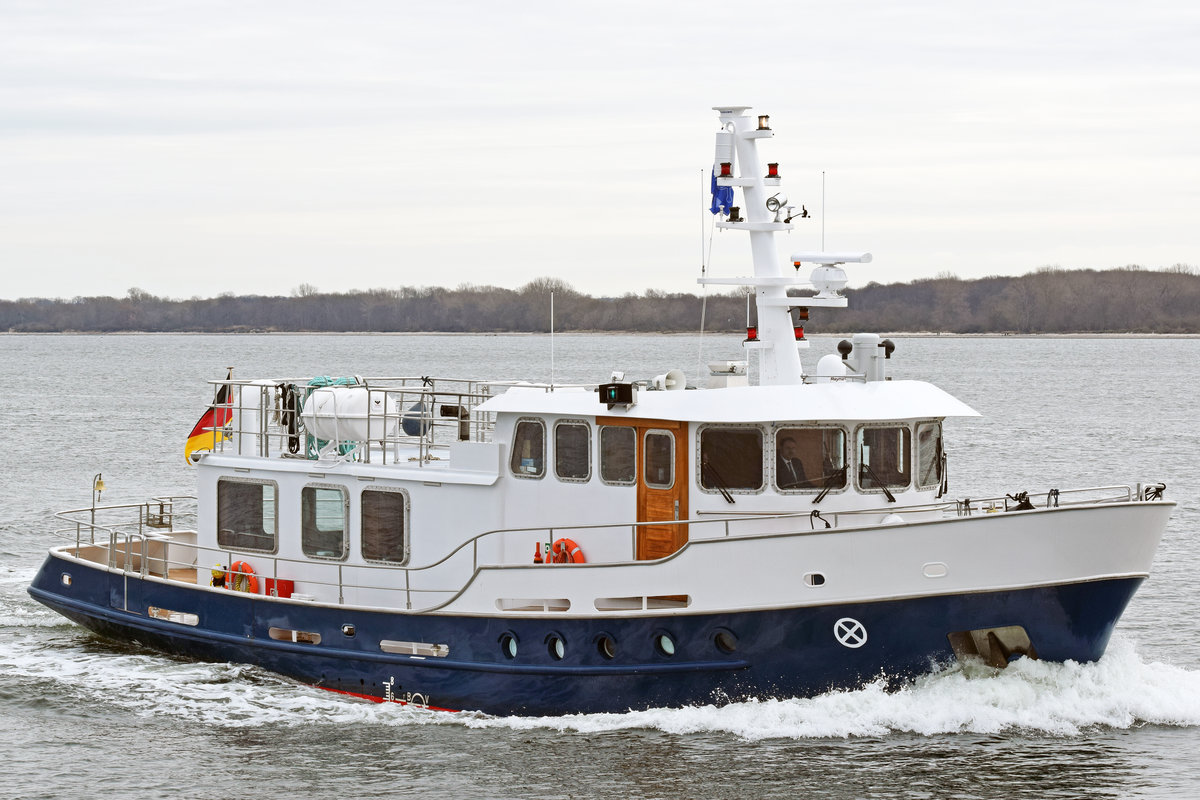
(722, 197)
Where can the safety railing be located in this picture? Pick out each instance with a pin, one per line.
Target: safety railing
(1019, 501)
(153, 546)
(156, 514)
(129, 548)
(1056, 498)
(384, 419)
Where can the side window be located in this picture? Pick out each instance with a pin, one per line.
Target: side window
(659, 465)
(618, 455)
(731, 458)
(323, 522)
(529, 449)
(810, 458)
(572, 451)
(384, 522)
(883, 455)
(929, 455)
(246, 515)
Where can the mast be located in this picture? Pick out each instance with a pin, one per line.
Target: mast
(763, 213)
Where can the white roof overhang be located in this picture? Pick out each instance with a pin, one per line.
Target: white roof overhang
(841, 400)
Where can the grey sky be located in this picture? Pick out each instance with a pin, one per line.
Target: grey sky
(194, 148)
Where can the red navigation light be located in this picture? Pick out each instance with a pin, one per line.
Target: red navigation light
(751, 333)
(772, 170)
(726, 169)
(799, 331)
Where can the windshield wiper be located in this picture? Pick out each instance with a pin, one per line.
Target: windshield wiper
(875, 478)
(716, 481)
(832, 481)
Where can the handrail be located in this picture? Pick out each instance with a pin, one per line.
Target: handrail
(122, 532)
(254, 426)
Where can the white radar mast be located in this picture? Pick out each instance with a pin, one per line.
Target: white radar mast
(764, 212)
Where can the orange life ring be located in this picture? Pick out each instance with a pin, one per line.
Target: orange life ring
(565, 551)
(241, 578)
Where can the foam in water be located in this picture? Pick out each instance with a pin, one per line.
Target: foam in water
(1120, 691)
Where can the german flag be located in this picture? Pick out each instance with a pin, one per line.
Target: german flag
(210, 429)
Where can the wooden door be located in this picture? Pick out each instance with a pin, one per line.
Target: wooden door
(662, 483)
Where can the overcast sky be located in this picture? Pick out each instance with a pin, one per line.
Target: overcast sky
(195, 148)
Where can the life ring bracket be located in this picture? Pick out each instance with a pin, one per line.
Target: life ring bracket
(241, 578)
(566, 551)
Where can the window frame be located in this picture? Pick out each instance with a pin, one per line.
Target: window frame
(406, 516)
(780, 427)
(940, 453)
(646, 454)
(600, 454)
(514, 458)
(724, 426)
(906, 426)
(275, 516)
(345, 521)
(587, 456)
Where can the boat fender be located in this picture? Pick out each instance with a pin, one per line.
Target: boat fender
(416, 420)
(289, 415)
(241, 578)
(565, 551)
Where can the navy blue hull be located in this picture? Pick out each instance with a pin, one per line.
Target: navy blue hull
(777, 653)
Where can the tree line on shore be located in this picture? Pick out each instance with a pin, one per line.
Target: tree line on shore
(1049, 300)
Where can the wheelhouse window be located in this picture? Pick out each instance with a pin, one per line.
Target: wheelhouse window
(572, 451)
(659, 464)
(529, 449)
(246, 515)
(384, 523)
(929, 455)
(810, 459)
(731, 459)
(883, 457)
(323, 522)
(618, 455)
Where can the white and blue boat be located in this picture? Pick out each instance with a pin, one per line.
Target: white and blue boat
(543, 549)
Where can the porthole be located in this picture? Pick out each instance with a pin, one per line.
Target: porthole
(348, 631)
(508, 645)
(725, 641)
(606, 647)
(556, 647)
(814, 579)
(665, 644)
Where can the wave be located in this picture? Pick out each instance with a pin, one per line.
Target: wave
(1059, 699)
(1120, 691)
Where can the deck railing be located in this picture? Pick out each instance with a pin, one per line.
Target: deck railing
(420, 417)
(144, 543)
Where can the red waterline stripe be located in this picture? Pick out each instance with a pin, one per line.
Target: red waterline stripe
(375, 699)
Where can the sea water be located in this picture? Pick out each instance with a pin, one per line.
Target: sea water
(88, 717)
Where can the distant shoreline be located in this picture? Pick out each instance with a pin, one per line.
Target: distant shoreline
(1115, 302)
